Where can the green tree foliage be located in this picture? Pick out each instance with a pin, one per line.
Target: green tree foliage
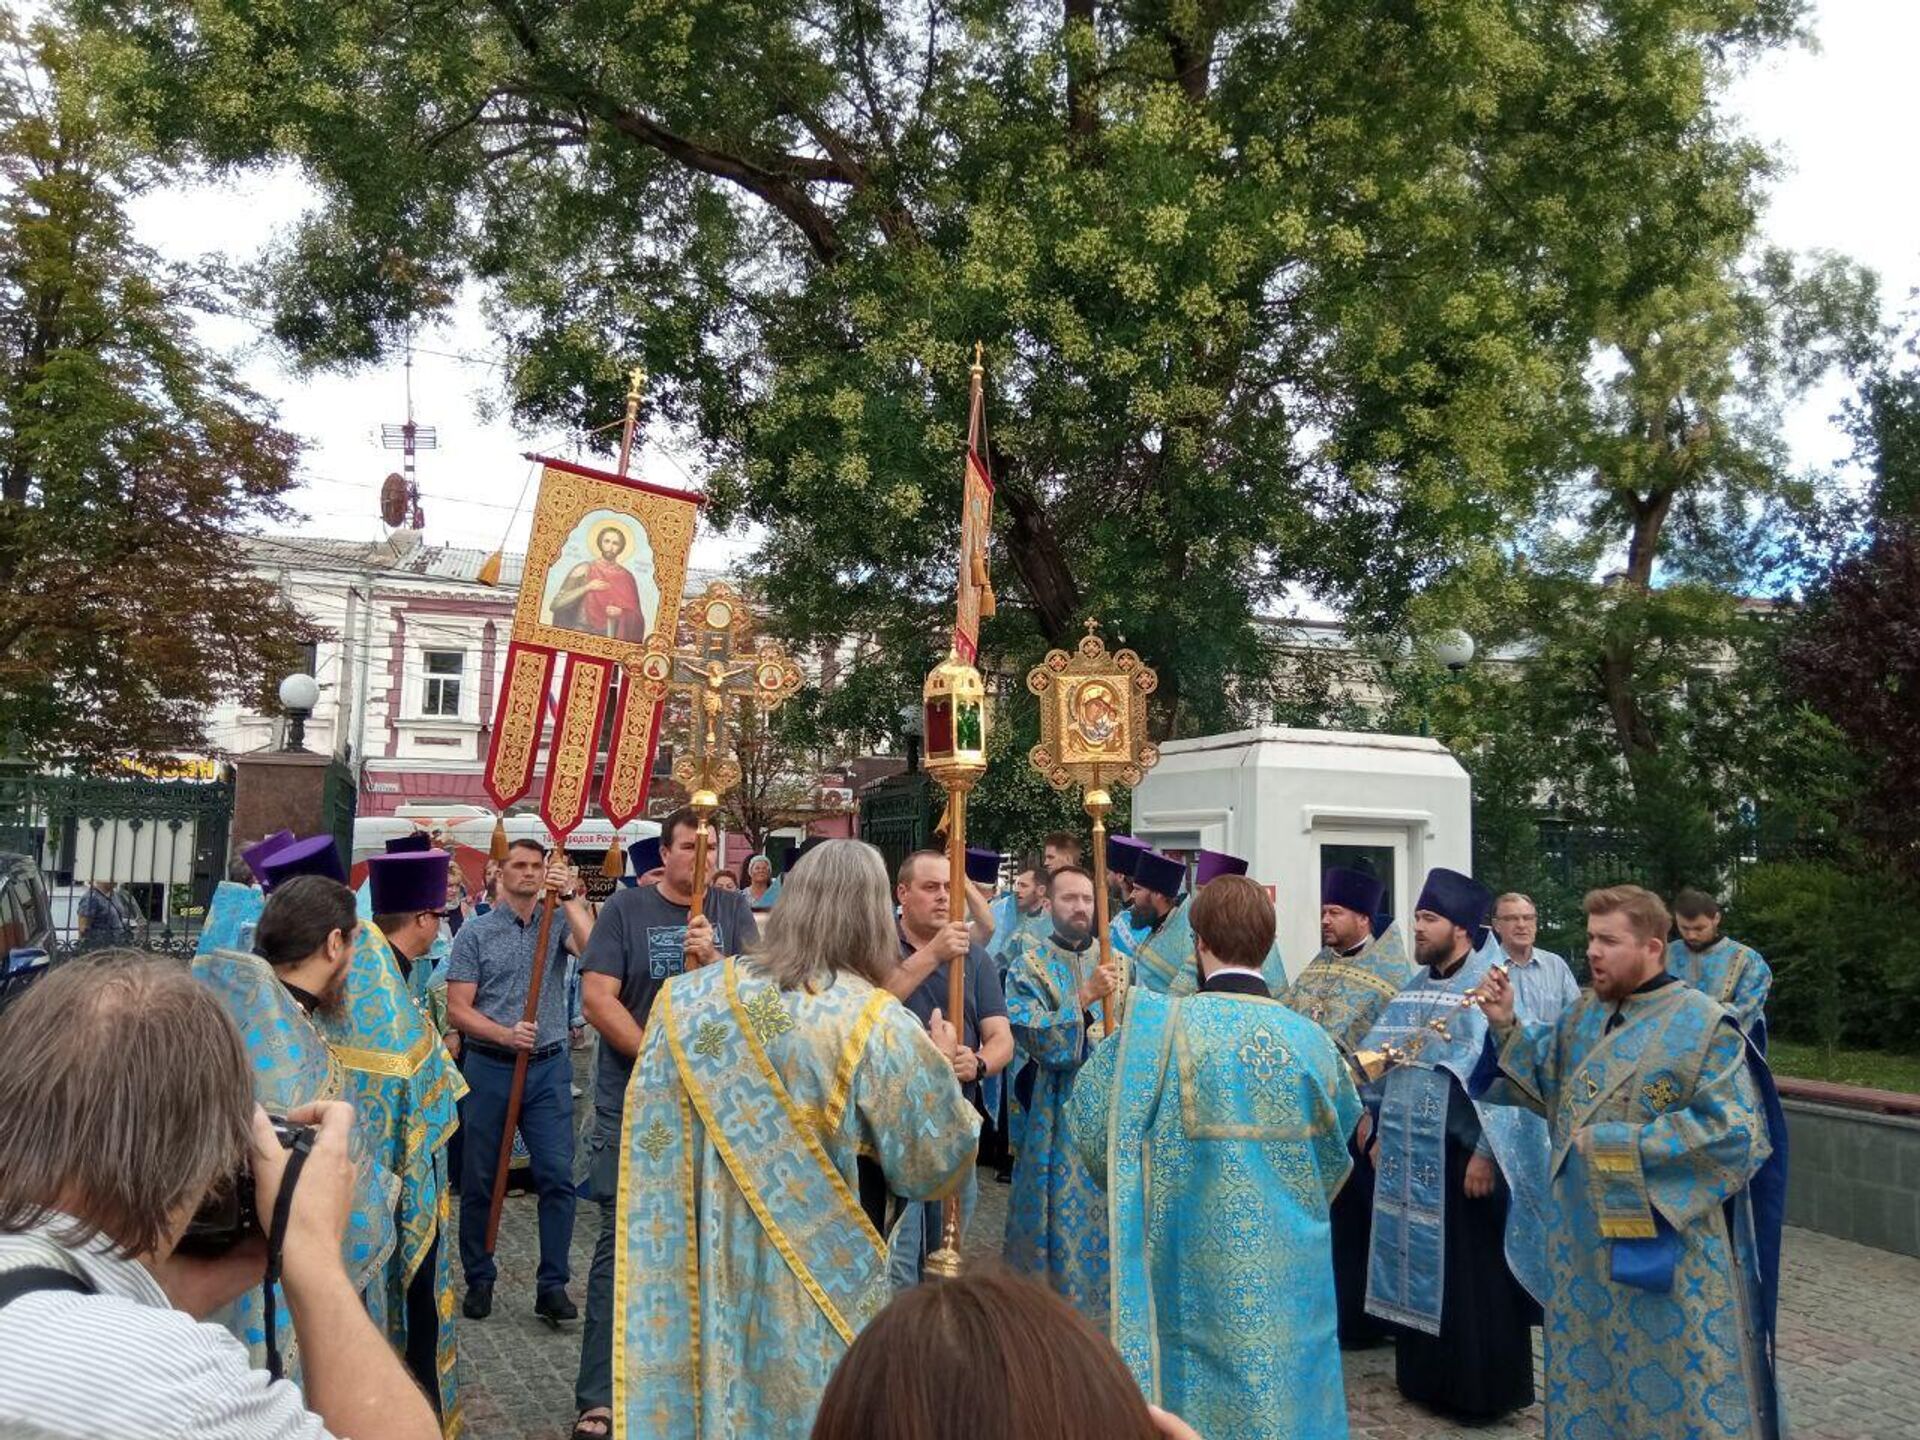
(1271, 293)
(1651, 696)
(1861, 990)
(128, 455)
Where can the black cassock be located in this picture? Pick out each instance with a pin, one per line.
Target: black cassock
(1351, 1215)
(1480, 1365)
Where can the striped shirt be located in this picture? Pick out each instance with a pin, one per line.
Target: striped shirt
(1543, 987)
(123, 1362)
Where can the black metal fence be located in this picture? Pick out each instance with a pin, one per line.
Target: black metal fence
(125, 860)
(897, 815)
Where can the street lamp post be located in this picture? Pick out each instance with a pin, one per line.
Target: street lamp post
(1452, 648)
(298, 695)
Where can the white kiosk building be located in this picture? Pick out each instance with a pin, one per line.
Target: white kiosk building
(1296, 802)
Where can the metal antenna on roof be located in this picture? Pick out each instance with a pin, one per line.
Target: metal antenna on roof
(400, 494)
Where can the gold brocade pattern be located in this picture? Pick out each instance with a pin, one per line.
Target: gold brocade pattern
(510, 762)
(565, 499)
(1656, 1128)
(733, 1198)
(570, 765)
(624, 789)
(767, 1015)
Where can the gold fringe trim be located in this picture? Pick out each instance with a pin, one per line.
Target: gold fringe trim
(1631, 1229)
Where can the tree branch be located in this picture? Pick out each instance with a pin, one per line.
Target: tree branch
(1082, 120)
(780, 183)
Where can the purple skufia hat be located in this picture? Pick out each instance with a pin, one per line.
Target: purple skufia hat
(983, 866)
(1353, 890)
(316, 855)
(1461, 898)
(412, 844)
(407, 881)
(645, 855)
(256, 854)
(1159, 873)
(1212, 864)
(1123, 852)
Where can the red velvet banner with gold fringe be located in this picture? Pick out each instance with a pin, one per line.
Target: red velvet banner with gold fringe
(606, 567)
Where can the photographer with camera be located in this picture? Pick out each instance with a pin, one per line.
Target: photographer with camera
(125, 1105)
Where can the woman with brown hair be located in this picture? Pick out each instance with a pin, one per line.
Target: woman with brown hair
(987, 1354)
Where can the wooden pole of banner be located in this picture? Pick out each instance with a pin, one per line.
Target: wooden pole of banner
(550, 897)
(705, 803)
(1098, 802)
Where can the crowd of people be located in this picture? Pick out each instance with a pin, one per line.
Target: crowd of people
(1431, 1136)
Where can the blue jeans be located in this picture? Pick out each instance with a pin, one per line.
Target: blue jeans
(920, 1232)
(546, 1124)
(593, 1386)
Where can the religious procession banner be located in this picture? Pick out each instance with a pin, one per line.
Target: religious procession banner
(606, 567)
(976, 526)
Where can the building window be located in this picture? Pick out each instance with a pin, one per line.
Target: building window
(443, 672)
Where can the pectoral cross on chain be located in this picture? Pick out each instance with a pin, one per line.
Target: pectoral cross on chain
(715, 672)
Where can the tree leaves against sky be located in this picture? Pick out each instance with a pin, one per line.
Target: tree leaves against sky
(1272, 294)
(128, 456)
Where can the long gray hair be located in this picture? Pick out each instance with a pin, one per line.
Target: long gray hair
(834, 915)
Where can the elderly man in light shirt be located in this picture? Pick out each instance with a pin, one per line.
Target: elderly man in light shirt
(1543, 986)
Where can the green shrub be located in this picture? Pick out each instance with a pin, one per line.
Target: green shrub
(1845, 950)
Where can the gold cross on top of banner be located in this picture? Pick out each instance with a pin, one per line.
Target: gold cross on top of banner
(717, 670)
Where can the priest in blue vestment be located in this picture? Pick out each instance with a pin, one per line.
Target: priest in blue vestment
(777, 1100)
(1343, 990)
(1668, 1162)
(406, 1089)
(1056, 993)
(1124, 933)
(276, 1009)
(1218, 1124)
(1458, 1258)
(1021, 912)
(1718, 967)
(1165, 960)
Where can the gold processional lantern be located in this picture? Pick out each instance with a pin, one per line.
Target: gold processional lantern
(955, 715)
(954, 712)
(1093, 733)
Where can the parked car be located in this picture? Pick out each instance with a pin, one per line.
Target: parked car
(26, 914)
(27, 940)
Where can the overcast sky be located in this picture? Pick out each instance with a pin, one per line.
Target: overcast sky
(1842, 115)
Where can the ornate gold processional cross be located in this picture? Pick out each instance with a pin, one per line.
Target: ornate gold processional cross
(721, 669)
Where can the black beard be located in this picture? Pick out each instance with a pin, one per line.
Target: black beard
(1700, 949)
(1074, 936)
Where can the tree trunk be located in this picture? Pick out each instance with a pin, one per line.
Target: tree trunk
(1038, 560)
(1631, 728)
(1082, 118)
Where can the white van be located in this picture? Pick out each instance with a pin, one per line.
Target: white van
(472, 825)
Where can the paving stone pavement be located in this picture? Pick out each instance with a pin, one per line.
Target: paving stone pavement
(1849, 1343)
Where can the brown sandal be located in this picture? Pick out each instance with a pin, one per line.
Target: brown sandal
(596, 1417)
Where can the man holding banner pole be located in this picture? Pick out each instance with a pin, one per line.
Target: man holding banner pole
(514, 1016)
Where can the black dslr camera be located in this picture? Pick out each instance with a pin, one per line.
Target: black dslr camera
(227, 1216)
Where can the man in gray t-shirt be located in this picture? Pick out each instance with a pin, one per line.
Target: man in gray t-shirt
(641, 940)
